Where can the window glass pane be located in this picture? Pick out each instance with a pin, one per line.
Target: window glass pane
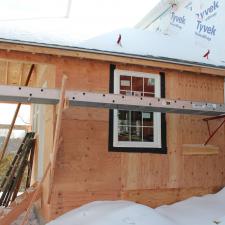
(147, 94)
(148, 134)
(147, 119)
(137, 93)
(127, 92)
(123, 133)
(137, 84)
(136, 126)
(125, 83)
(136, 133)
(123, 118)
(136, 118)
(149, 85)
(123, 92)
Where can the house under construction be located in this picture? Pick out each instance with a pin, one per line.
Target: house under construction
(114, 119)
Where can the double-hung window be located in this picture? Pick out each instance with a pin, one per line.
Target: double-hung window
(133, 129)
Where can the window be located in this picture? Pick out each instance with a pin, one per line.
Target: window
(132, 129)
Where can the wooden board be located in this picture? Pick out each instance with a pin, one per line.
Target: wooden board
(155, 198)
(196, 149)
(68, 199)
(15, 73)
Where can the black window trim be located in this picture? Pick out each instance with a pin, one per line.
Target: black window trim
(163, 149)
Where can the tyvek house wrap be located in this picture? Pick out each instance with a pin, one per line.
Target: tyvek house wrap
(198, 23)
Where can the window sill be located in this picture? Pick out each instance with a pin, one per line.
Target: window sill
(199, 149)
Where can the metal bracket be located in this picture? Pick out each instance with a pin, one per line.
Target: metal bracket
(211, 134)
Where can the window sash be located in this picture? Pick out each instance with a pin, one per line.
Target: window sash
(157, 116)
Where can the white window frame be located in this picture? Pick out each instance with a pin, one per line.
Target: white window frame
(157, 143)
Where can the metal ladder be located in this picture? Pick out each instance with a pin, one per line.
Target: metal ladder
(13, 178)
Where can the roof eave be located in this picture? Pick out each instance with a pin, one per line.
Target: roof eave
(148, 60)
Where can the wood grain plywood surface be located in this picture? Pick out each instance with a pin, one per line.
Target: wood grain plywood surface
(87, 171)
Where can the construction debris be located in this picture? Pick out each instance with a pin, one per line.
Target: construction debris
(14, 213)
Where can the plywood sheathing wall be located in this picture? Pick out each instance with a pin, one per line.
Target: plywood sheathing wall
(195, 171)
(87, 171)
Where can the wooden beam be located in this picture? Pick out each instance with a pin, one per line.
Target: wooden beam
(6, 141)
(109, 57)
(6, 72)
(21, 74)
(16, 127)
(57, 139)
(199, 149)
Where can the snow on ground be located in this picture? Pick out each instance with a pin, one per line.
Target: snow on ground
(196, 210)
(193, 211)
(220, 221)
(112, 213)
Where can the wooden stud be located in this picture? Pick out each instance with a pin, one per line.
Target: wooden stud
(6, 72)
(21, 74)
(57, 134)
(16, 127)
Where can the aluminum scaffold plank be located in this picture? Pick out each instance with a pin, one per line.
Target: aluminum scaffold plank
(111, 101)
